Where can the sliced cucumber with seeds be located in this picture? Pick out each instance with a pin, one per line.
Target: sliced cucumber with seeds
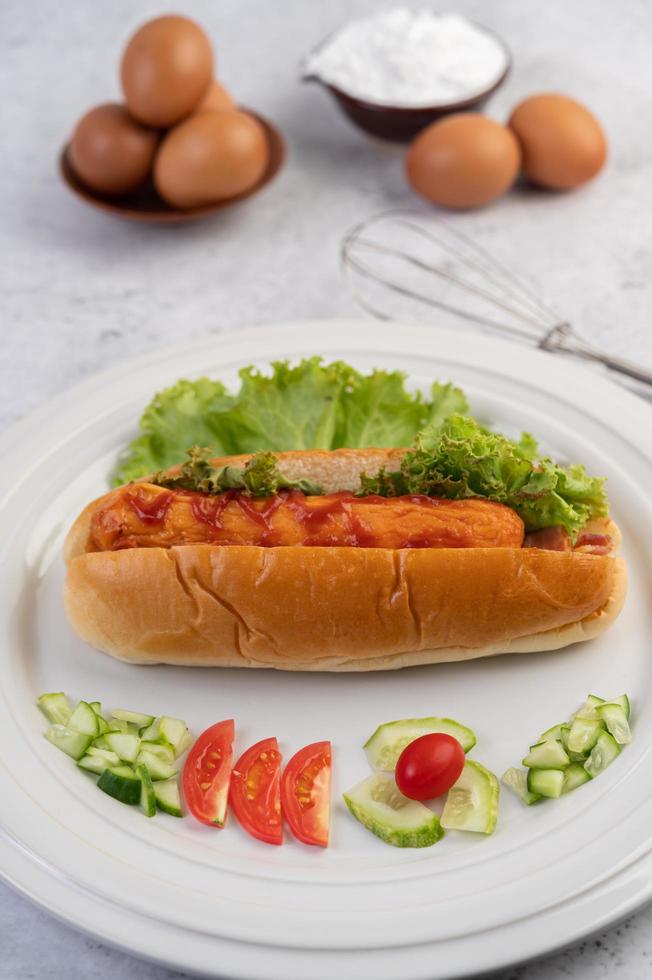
(516, 780)
(388, 741)
(602, 755)
(134, 717)
(122, 783)
(84, 720)
(472, 803)
(575, 775)
(584, 733)
(547, 755)
(380, 807)
(55, 707)
(166, 794)
(147, 796)
(614, 717)
(125, 745)
(158, 768)
(546, 782)
(72, 743)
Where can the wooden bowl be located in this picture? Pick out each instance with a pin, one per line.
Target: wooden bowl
(145, 204)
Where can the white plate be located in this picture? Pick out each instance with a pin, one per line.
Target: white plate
(213, 901)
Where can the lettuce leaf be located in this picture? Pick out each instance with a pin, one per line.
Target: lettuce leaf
(460, 458)
(259, 477)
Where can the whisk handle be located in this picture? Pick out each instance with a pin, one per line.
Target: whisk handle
(563, 338)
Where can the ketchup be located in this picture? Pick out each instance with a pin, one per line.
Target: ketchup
(150, 509)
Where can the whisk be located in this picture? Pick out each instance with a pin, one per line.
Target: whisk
(432, 264)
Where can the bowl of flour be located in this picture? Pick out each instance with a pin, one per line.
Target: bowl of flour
(395, 72)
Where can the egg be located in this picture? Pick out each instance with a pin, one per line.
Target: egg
(166, 70)
(563, 144)
(216, 97)
(463, 161)
(110, 151)
(211, 156)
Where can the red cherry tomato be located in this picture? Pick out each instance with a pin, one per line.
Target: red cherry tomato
(305, 793)
(207, 772)
(429, 766)
(255, 795)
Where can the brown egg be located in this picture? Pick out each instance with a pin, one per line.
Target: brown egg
(563, 144)
(110, 151)
(211, 156)
(463, 161)
(216, 97)
(166, 69)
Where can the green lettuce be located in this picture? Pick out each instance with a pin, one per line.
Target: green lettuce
(259, 477)
(460, 458)
(312, 405)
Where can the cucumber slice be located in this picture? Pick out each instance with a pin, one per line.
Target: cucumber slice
(147, 797)
(184, 744)
(472, 803)
(623, 701)
(122, 783)
(55, 707)
(92, 763)
(84, 720)
(547, 755)
(135, 717)
(158, 768)
(614, 717)
(163, 752)
(124, 745)
(167, 797)
(388, 741)
(553, 734)
(109, 757)
(584, 733)
(603, 754)
(575, 775)
(173, 731)
(593, 701)
(546, 782)
(151, 733)
(117, 725)
(379, 806)
(516, 780)
(96, 706)
(72, 743)
(101, 743)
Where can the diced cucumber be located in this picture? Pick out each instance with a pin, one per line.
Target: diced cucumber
(614, 717)
(623, 701)
(545, 782)
(163, 752)
(516, 780)
(84, 720)
(603, 754)
(553, 734)
(122, 783)
(167, 797)
(135, 717)
(593, 700)
(124, 745)
(118, 725)
(157, 767)
(173, 731)
(379, 806)
(110, 758)
(547, 755)
(388, 741)
(151, 733)
(93, 763)
(55, 707)
(472, 803)
(584, 733)
(97, 707)
(72, 743)
(101, 743)
(184, 744)
(103, 725)
(575, 775)
(147, 797)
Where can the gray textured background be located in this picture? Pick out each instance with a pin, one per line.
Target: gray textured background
(81, 291)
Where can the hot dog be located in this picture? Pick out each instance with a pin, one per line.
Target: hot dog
(166, 571)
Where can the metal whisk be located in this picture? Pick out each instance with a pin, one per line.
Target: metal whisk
(429, 263)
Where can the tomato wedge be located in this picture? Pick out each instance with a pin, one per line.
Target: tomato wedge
(255, 795)
(207, 771)
(306, 793)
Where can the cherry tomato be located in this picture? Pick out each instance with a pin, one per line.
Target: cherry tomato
(305, 793)
(255, 795)
(207, 772)
(429, 766)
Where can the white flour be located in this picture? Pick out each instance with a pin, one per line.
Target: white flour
(410, 57)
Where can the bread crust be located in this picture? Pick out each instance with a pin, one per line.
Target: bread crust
(336, 609)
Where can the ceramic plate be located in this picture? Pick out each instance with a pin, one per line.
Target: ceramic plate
(219, 902)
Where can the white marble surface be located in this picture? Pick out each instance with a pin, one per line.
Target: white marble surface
(81, 291)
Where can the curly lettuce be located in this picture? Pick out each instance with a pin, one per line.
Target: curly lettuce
(259, 477)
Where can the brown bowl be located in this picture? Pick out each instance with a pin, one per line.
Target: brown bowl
(401, 123)
(145, 204)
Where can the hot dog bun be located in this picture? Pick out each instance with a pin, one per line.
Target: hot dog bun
(340, 608)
